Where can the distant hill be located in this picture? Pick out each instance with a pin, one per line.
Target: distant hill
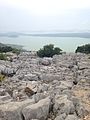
(11, 34)
(2, 45)
(66, 34)
(11, 45)
(15, 46)
(81, 35)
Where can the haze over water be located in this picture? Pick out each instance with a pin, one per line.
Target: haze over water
(68, 44)
(45, 15)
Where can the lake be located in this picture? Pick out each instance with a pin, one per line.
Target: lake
(68, 44)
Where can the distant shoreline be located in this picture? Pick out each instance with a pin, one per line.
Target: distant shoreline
(15, 46)
(12, 45)
(76, 34)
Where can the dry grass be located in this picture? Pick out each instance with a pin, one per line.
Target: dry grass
(84, 96)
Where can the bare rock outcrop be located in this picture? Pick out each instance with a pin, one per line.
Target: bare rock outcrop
(39, 110)
(36, 88)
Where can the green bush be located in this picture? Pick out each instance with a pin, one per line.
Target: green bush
(48, 51)
(3, 56)
(5, 49)
(17, 51)
(2, 77)
(83, 49)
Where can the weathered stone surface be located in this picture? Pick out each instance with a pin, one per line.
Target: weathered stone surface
(79, 108)
(45, 61)
(39, 110)
(8, 71)
(65, 85)
(50, 77)
(2, 92)
(12, 110)
(31, 77)
(83, 65)
(71, 117)
(43, 87)
(5, 98)
(2, 67)
(45, 77)
(63, 105)
(61, 117)
(38, 96)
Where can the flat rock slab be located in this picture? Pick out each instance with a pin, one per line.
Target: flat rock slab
(39, 110)
(12, 110)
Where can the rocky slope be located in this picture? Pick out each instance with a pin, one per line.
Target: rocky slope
(55, 88)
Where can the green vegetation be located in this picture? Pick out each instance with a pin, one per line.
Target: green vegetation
(5, 48)
(2, 77)
(9, 49)
(48, 51)
(3, 56)
(16, 51)
(83, 49)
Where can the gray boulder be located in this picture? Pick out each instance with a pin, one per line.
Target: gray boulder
(31, 77)
(42, 87)
(8, 71)
(2, 67)
(12, 110)
(83, 65)
(5, 98)
(2, 92)
(61, 117)
(38, 97)
(65, 85)
(45, 61)
(63, 105)
(39, 110)
(71, 117)
(79, 108)
(50, 77)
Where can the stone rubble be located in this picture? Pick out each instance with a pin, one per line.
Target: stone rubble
(36, 88)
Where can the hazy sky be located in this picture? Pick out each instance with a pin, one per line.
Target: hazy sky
(44, 15)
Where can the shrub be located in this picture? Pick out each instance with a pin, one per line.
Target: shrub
(2, 77)
(83, 49)
(17, 51)
(3, 56)
(5, 49)
(48, 51)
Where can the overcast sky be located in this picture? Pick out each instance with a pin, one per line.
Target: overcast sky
(44, 15)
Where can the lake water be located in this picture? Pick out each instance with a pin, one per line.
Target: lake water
(68, 44)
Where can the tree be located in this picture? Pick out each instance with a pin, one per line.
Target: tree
(48, 51)
(83, 49)
(57, 50)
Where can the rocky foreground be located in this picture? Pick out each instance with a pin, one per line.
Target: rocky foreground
(55, 88)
